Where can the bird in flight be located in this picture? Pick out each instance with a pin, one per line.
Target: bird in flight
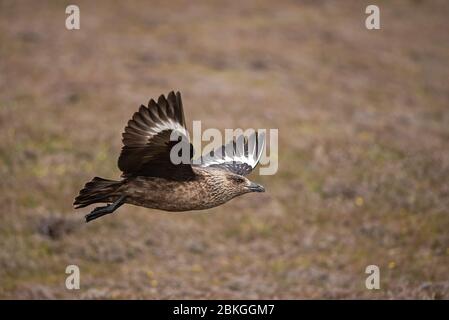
(151, 179)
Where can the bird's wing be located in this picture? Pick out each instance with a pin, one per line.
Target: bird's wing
(146, 140)
(239, 156)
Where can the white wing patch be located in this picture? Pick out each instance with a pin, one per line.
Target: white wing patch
(167, 125)
(146, 124)
(240, 156)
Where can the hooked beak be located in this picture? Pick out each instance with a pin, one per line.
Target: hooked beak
(254, 187)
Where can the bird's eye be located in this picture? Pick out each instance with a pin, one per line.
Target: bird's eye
(237, 179)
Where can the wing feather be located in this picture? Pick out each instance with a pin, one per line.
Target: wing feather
(239, 156)
(146, 139)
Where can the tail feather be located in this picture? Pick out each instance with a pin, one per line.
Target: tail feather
(97, 190)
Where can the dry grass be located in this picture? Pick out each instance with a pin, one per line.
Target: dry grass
(363, 129)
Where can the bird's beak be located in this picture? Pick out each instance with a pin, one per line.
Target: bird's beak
(254, 187)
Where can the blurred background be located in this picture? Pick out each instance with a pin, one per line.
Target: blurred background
(363, 125)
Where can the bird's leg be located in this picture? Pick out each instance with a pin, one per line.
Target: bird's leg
(101, 211)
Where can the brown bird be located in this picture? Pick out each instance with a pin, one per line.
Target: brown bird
(151, 179)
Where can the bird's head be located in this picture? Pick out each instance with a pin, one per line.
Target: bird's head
(240, 185)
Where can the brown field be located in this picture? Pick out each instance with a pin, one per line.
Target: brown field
(363, 119)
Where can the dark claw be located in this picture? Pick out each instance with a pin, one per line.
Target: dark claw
(101, 211)
(97, 212)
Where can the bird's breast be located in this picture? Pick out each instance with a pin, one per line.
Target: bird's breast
(159, 193)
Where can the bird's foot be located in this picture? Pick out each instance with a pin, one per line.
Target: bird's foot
(101, 211)
(98, 212)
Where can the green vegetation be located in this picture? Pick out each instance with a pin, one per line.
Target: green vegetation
(363, 158)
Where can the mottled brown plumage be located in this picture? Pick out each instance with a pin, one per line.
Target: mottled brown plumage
(152, 180)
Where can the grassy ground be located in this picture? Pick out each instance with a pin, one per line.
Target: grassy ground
(363, 147)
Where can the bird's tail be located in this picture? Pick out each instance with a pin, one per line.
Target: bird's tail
(97, 190)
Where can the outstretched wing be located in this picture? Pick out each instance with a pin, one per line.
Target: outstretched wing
(147, 143)
(239, 156)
